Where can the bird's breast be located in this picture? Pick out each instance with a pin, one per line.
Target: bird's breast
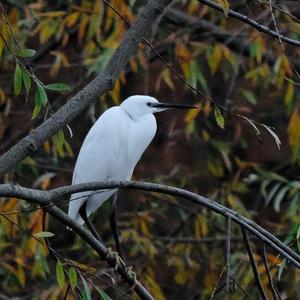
(140, 134)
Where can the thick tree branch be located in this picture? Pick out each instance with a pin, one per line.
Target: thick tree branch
(55, 195)
(253, 23)
(89, 93)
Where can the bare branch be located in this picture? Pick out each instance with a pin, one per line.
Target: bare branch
(89, 93)
(273, 289)
(55, 195)
(253, 265)
(228, 254)
(253, 23)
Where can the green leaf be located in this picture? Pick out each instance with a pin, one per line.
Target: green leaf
(36, 111)
(298, 233)
(26, 80)
(26, 53)
(279, 197)
(281, 268)
(219, 118)
(58, 87)
(272, 192)
(72, 277)
(17, 80)
(103, 295)
(40, 98)
(44, 234)
(60, 275)
(86, 292)
(196, 75)
(249, 96)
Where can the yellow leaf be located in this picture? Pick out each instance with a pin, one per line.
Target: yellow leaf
(82, 27)
(21, 275)
(52, 14)
(167, 79)
(289, 93)
(225, 6)
(294, 132)
(2, 96)
(115, 93)
(10, 204)
(35, 224)
(142, 59)
(64, 59)
(233, 202)
(215, 58)
(197, 229)
(181, 276)
(1, 47)
(207, 108)
(47, 147)
(182, 52)
(133, 65)
(215, 168)
(287, 66)
(144, 227)
(185, 69)
(72, 19)
(123, 78)
(193, 7)
(191, 115)
(13, 16)
(205, 135)
(46, 182)
(46, 32)
(154, 288)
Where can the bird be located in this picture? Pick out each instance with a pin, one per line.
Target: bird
(111, 150)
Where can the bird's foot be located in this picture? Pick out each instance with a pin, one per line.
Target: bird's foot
(119, 262)
(132, 274)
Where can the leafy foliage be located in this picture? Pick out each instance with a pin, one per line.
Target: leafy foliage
(48, 51)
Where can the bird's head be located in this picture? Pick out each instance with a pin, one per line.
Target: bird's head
(140, 105)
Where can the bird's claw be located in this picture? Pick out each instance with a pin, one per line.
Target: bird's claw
(119, 262)
(132, 274)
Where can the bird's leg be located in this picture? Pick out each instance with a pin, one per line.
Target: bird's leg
(113, 224)
(83, 214)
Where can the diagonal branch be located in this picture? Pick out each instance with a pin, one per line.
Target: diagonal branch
(253, 23)
(89, 93)
(273, 289)
(253, 265)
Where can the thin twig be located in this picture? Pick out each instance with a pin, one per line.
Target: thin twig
(275, 24)
(294, 18)
(253, 264)
(228, 256)
(273, 289)
(217, 284)
(253, 23)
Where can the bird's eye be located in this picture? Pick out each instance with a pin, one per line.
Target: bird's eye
(149, 104)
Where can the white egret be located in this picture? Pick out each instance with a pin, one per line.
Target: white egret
(111, 151)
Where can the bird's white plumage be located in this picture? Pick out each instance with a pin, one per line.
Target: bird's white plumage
(112, 149)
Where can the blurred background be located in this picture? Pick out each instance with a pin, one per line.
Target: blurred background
(177, 249)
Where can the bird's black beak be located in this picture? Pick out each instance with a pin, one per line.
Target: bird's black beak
(172, 105)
